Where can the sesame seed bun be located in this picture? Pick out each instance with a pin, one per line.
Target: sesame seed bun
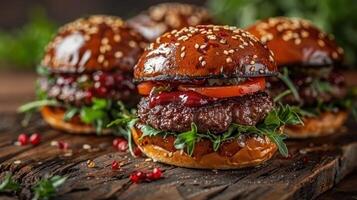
(297, 41)
(94, 43)
(255, 151)
(54, 117)
(325, 124)
(204, 51)
(165, 17)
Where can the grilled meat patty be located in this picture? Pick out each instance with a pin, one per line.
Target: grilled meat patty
(215, 117)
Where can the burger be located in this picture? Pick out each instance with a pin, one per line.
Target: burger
(204, 104)
(165, 17)
(309, 61)
(86, 75)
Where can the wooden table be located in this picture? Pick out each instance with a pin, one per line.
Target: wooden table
(316, 165)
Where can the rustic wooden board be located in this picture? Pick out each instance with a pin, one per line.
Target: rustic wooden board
(314, 167)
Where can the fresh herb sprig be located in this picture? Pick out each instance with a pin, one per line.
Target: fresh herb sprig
(8, 184)
(46, 188)
(286, 79)
(270, 127)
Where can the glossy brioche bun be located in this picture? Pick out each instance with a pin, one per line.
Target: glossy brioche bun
(325, 124)
(165, 17)
(204, 51)
(297, 41)
(54, 117)
(94, 43)
(255, 152)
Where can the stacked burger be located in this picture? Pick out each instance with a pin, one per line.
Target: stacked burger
(309, 61)
(204, 104)
(166, 17)
(86, 75)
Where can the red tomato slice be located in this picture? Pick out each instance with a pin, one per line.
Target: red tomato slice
(250, 86)
(145, 88)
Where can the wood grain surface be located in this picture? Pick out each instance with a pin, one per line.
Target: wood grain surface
(314, 167)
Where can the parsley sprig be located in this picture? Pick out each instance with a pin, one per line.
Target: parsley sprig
(8, 184)
(270, 127)
(46, 188)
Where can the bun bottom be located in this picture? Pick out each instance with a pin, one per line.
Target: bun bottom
(255, 152)
(325, 124)
(54, 117)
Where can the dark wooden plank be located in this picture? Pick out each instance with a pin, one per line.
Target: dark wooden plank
(315, 166)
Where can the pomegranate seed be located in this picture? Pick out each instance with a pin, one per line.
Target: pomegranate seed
(122, 146)
(156, 173)
(116, 141)
(137, 176)
(35, 139)
(63, 145)
(88, 96)
(115, 165)
(137, 152)
(101, 91)
(23, 139)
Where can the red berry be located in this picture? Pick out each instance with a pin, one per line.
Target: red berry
(150, 176)
(122, 146)
(63, 145)
(116, 141)
(137, 176)
(156, 173)
(35, 139)
(115, 165)
(88, 96)
(23, 139)
(137, 152)
(101, 91)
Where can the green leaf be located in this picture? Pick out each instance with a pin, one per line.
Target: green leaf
(99, 104)
(149, 131)
(278, 139)
(89, 115)
(8, 184)
(70, 113)
(46, 187)
(37, 104)
(282, 95)
(187, 140)
(286, 79)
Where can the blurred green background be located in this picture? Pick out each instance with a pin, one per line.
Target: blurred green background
(22, 43)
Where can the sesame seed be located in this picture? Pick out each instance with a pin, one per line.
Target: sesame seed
(321, 43)
(223, 41)
(225, 52)
(297, 41)
(228, 59)
(203, 63)
(132, 43)
(183, 54)
(105, 41)
(197, 46)
(252, 62)
(183, 48)
(334, 55)
(255, 56)
(100, 58)
(117, 38)
(231, 51)
(203, 46)
(211, 37)
(200, 58)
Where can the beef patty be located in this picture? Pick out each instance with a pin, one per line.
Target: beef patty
(216, 117)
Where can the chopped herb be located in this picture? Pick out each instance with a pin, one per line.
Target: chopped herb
(282, 95)
(8, 184)
(70, 113)
(37, 104)
(286, 79)
(46, 188)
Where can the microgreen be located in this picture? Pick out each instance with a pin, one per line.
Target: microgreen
(46, 188)
(8, 184)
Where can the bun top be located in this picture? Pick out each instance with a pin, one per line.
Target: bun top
(204, 51)
(94, 43)
(297, 41)
(168, 16)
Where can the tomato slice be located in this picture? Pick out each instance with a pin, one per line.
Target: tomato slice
(145, 88)
(250, 86)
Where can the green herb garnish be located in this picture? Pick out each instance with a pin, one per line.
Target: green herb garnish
(9, 185)
(46, 188)
(270, 127)
(286, 79)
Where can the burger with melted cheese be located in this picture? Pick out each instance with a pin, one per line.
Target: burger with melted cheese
(204, 104)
